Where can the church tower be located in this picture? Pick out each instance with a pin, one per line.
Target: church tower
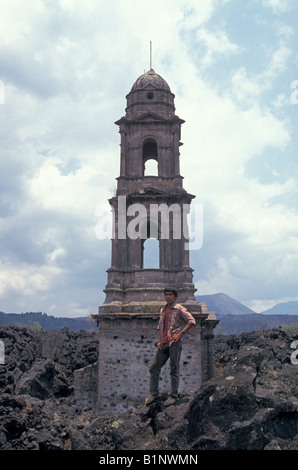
(150, 205)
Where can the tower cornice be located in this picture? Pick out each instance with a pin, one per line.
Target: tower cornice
(149, 117)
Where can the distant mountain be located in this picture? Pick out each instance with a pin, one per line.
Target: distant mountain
(236, 318)
(238, 324)
(47, 322)
(222, 304)
(286, 308)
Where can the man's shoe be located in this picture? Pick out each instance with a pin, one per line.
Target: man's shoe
(170, 401)
(151, 399)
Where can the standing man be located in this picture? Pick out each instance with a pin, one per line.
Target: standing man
(173, 323)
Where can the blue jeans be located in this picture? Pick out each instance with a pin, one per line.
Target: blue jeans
(161, 357)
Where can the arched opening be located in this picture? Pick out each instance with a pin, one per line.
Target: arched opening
(151, 168)
(150, 158)
(151, 253)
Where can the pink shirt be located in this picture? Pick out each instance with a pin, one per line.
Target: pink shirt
(178, 317)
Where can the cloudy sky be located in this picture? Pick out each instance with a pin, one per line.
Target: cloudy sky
(65, 69)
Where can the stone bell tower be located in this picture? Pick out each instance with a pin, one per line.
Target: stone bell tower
(148, 206)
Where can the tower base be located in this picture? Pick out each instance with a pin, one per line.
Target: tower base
(127, 345)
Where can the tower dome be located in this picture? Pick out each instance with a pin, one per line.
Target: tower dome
(150, 78)
(150, 93)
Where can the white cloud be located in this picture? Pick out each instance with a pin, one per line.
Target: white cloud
(278, 6)
(217, 43)
(26, 280)
(66, 70)
(248, 88)
(245, 89)
(223, 137)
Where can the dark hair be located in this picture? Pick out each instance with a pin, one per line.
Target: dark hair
(171, 289)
